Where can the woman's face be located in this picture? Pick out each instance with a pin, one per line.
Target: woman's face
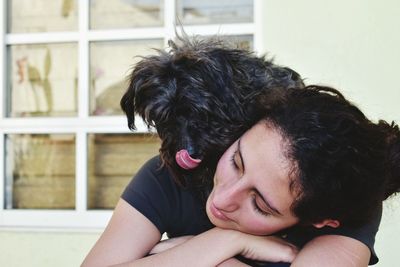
(251, 190)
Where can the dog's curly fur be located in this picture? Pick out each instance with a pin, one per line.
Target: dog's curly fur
(200, 96)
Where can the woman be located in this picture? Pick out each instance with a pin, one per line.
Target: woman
(310, 159)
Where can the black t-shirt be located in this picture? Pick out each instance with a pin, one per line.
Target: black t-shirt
(178, 211)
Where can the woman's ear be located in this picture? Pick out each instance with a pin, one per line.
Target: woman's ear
(327, 222)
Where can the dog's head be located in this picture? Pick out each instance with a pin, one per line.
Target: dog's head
(200, 98)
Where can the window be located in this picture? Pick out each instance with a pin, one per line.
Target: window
(64, 69)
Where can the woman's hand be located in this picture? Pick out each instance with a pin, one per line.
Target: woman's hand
(267, 248)
(169, 243)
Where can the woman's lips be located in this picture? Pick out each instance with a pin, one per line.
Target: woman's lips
(217, 213)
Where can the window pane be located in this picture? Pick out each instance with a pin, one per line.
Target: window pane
(42, 80)
(110, 64)
(42, 15)
(211, 11)
(241, 41)
(113, 160)
(40, 171)
(106, 14)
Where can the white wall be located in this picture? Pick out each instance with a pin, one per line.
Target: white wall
(353, 45)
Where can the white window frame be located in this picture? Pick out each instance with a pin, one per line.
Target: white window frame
(83, 124)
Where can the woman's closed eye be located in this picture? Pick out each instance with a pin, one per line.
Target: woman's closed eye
(233, 161)
(237, 162)
(257, 208)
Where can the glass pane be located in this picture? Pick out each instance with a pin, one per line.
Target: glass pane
(110, 64)
(241, 41)
(42, 80)
(40, 171)
(211, 11)
(42, 15)
(113, 160)
(106, 14)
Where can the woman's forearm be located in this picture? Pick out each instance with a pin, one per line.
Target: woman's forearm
(332, 251)
(207, 249)
(232, 262)
(215, 246)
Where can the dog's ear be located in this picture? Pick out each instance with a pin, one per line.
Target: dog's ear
(151, 91)
(127, 104)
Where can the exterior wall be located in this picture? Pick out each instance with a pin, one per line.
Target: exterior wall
(352, 45)
(29, 248)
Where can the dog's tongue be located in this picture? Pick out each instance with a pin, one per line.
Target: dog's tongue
(185, 161)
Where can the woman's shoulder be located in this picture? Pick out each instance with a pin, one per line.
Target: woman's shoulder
(169, 206)
(365, 233)
(152, 176)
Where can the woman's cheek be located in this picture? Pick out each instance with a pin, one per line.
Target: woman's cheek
(258, 227)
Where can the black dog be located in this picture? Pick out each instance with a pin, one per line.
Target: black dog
(200, 97)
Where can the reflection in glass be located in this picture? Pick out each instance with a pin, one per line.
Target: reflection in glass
(40, 171)
(106, 14)
(211, 11)
(42, 80)
(241, 41)
(110, 63)
(113, 160)
(42, 15)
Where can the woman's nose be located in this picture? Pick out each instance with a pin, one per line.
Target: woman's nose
(228, 196)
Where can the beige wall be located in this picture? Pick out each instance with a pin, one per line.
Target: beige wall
(353, 45)
(350, 44)
(42, 249)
